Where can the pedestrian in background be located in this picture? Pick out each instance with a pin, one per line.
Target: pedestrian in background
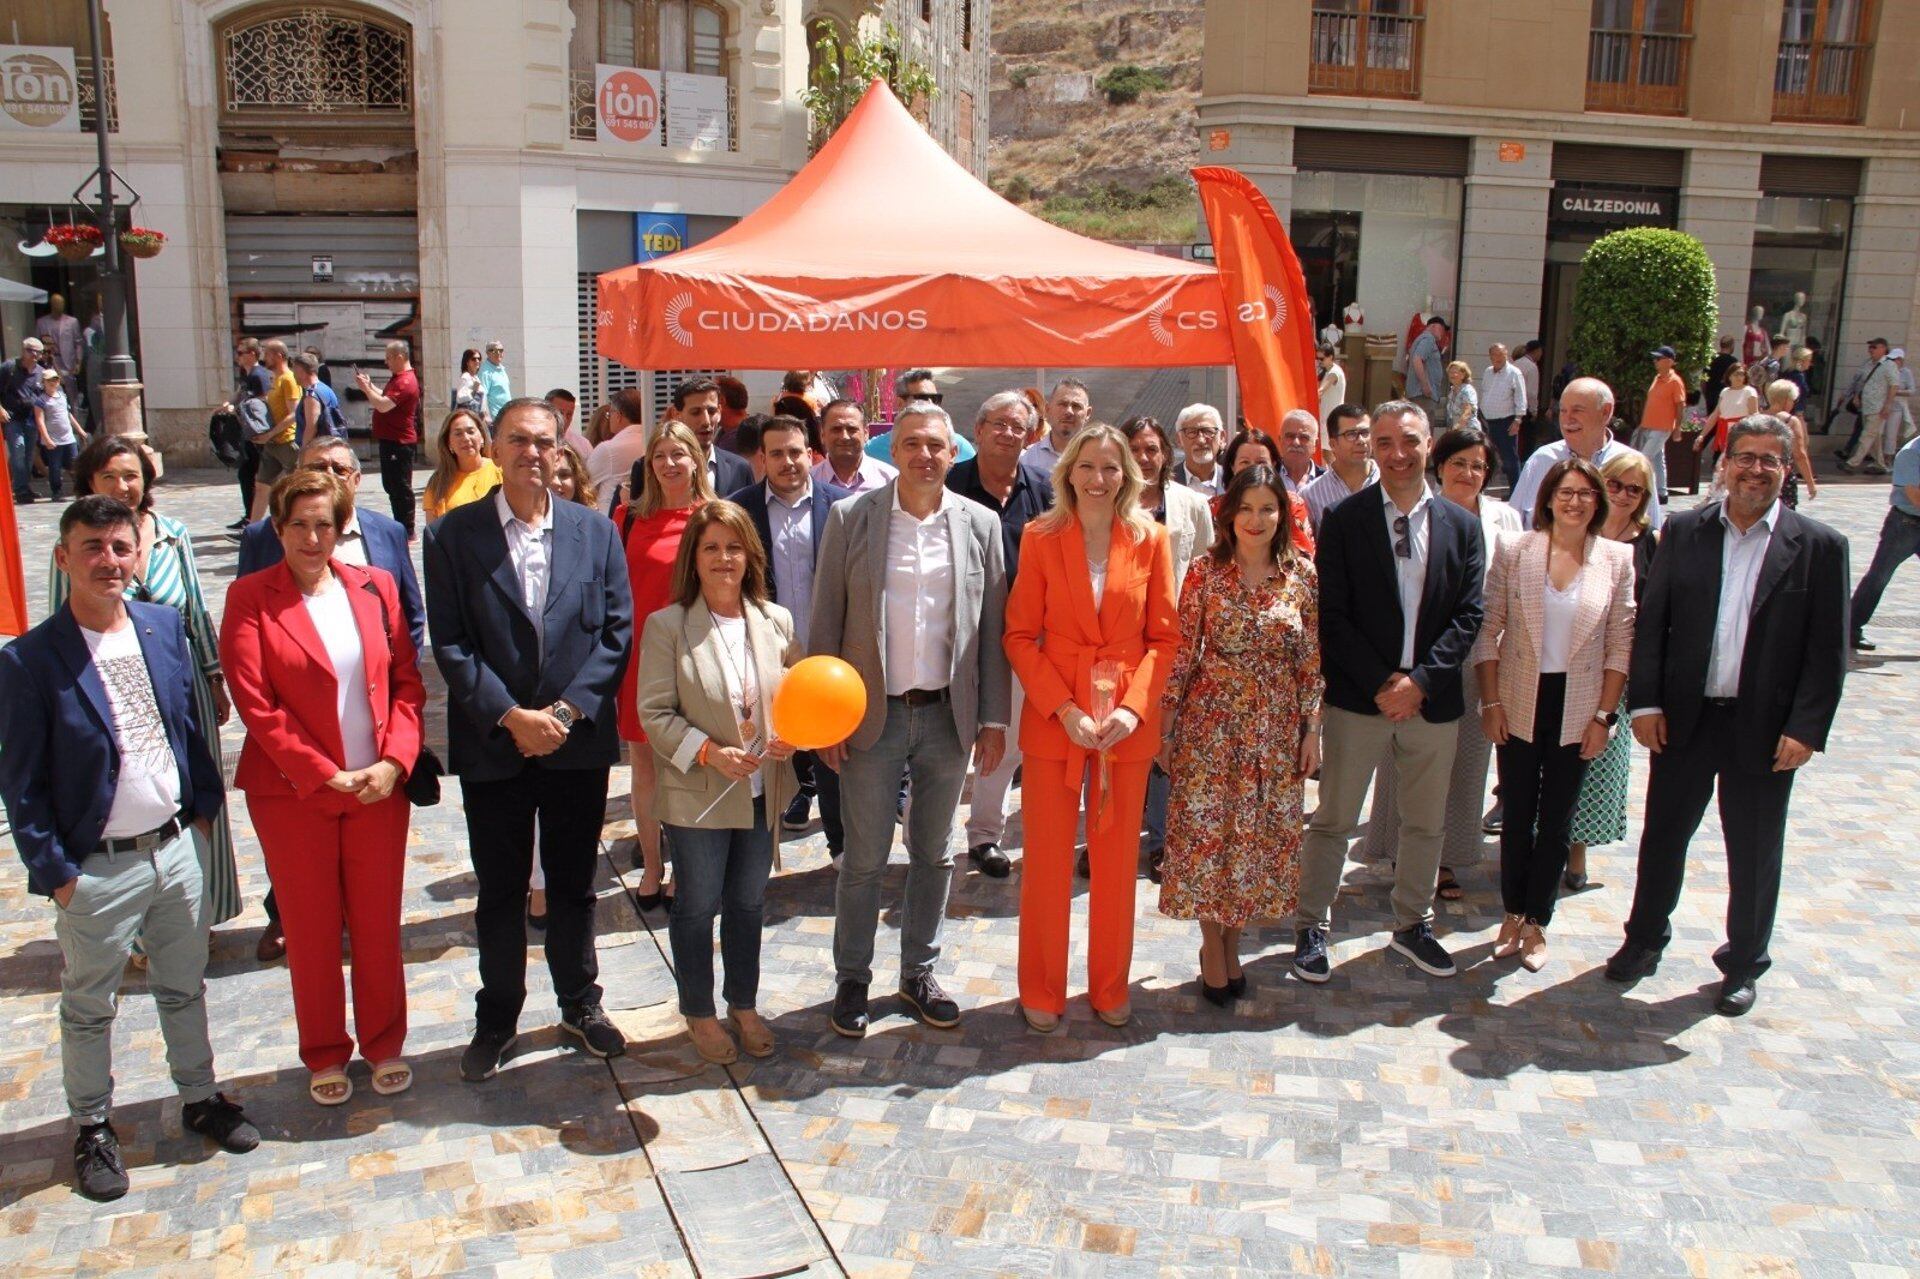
(494, 382)
(462, 470)
(1661, 415)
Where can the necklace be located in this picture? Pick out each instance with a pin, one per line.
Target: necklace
(741, 665)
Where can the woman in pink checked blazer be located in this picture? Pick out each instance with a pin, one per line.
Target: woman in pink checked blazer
(1552, 657)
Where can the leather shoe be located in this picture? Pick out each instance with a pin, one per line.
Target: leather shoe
(272, 944)
(1861, 644)
(1736, 997)
(799, 810)
(849, 1015)
(1632, 962)
(989, 860)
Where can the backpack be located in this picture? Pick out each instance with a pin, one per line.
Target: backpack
(225, 434)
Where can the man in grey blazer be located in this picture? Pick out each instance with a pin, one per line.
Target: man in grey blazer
(911, 589)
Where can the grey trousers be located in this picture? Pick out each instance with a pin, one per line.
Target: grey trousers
(920, 744)
(1422, 756)
(987, 817)
(155, 896)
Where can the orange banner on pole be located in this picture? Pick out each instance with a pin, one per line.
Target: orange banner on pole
(1269, 317)
(13, 579)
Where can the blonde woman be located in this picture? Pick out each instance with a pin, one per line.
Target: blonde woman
(676, 485)
(463, 471)
(1463, 402)
(1094, 597)
(1782, 395)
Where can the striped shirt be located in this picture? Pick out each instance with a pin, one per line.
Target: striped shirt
(1328, 490)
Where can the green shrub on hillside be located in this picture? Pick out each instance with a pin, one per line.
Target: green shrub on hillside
(1126, 82)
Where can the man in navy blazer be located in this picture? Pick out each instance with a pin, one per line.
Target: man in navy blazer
(1400, 575)
(790, 496)
(369, 537)
(531, 618)
(111, 789)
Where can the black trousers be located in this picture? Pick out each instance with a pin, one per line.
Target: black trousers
(569, 804)
(248, 468)
(1539, 784)
(396, 477)
(1753, 816)
(819, 781)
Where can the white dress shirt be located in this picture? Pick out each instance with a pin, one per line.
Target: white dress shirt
(790, 558)
(611, 462)
(1411, 571)
(529, 547)
(1741, 555)
(351, 546)
(1526, 489)
(1530, 376)
(1213, 486)
(920, 598)
(1503, 392)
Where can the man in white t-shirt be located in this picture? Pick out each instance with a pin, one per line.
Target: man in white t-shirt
(114, 831)
(1333, 387)
(611, 462)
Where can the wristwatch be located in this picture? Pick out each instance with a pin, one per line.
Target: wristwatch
(564, 713)
(1608, 718)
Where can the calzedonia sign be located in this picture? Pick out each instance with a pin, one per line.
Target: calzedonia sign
(1613, 206)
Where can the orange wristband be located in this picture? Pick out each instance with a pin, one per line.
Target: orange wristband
(700, 758)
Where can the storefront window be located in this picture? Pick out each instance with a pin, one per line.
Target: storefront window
(31, 275)
(1799, 272)
(1388, 241)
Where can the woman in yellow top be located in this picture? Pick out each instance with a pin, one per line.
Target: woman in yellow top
(462, 471)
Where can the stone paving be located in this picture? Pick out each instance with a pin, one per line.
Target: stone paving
(1501, 1123)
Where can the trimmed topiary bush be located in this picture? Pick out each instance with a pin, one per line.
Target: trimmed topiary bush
(1640, 288)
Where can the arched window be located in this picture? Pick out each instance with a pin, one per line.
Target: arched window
(298, 62)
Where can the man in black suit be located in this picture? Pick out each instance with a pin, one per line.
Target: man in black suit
(696, 402)
(1400, 571)
(1739, 653)
(531, 617)
(790, 512)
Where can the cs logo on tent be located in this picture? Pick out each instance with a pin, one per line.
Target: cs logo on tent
(676, 319)
(1161, 322)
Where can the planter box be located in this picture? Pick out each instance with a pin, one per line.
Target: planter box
(1683, 464)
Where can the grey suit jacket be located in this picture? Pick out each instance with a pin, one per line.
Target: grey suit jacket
(1189, 528)
(850, 616)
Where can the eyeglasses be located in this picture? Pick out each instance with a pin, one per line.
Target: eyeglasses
(1765, 461)
(931, 397)
(1402, 537)
(1635, 491)
(1464, 464)
(1579, 497)
(1012, 426)
(1358, 433)
(340, 469)
(1198, 432)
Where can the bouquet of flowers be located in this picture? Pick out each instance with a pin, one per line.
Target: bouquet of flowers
(1106, 697)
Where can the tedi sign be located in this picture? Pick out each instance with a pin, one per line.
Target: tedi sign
(38, 90)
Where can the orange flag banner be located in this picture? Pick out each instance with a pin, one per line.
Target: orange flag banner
(1269, 318)
(13, 579)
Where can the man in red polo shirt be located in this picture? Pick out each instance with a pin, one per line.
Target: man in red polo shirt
(1665, 409)
(396, 429)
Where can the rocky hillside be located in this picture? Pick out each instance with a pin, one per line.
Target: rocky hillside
(1093, 113)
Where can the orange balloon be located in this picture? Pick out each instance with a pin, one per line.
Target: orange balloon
(820, 702)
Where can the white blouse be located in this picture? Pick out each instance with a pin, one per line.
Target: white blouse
(743, 683)
(332, 616)
(1556, 627)
(1737, 402)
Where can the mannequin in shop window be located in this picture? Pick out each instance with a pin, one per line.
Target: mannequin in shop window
(1755, 344)
(1793, 325)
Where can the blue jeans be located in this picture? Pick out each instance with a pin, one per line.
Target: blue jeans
(1899, 541)
(1653, 446)
(1507, 446)
(20, 437)
(155, 896)
(718, 872)
(921, 744)
(59, 460)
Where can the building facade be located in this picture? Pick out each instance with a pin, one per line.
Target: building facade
(1457, 157)
(340, 173)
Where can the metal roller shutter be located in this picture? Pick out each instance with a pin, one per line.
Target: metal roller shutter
(1617, 166)
(273, 255)
(1815, 175)
(1359, 151)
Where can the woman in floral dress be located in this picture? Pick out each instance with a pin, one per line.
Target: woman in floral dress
(165, 573)
(1242, 715)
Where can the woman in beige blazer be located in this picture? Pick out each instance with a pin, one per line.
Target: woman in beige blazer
(1552, 657)
(708, 667)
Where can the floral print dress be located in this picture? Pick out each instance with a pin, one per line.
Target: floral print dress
(1246, 680)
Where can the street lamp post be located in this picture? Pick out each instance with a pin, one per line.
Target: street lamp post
(120, 389)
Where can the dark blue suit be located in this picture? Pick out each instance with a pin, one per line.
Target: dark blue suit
(496, 656)
(52, 700)
(814, 778)
(386, 544)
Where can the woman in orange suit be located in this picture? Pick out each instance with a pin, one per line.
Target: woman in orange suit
(321, 668)
(1095, 594)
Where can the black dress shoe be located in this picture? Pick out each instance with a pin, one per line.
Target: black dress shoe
(989, 860)
(1156, 865)
(1575, 881)
(1632, 962)
(1237, 986)
(1310, 956)
(849, 1015)
(484, 1055)
(929, 1002)
(590, 1024)
(97, 1167)
(1492, 822)
(798, 810)
(1861, 644)
(1736, 997)
(221, 1120)
(1218, 996)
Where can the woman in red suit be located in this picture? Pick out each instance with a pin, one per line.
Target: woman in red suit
(1091, 630)
(676, 483)
(322, 670)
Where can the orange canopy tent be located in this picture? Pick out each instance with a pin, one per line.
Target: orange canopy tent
(883, 251)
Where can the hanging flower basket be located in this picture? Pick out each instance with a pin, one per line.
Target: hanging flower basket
(142, 242)
(75, 241)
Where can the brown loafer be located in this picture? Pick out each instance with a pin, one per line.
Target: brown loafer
(1115, 1017)
(273, 944)
(711, 1041)
(756, 1037)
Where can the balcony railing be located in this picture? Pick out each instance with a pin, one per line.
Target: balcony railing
(1819, 81)
(1644, 72)
(584, 112)
(1364, 54)
(90, 109)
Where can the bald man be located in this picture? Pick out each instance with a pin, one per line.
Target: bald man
(1586, 415)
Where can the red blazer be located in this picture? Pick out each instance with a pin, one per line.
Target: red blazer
(283, 686)
(1054, 634)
